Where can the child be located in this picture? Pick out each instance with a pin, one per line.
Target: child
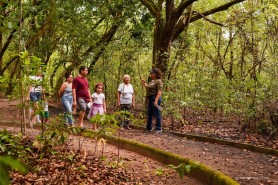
(99, 105)
(45, 107)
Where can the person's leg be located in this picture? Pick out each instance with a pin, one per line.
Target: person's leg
(70, 118)
(150, 113)
(38, 96)
(100, 111)
(46, 116)
(97, 110)
(127, 107)
(67, 104)
(83, 106)
(33, 108)
(37, 115)
(157, 114)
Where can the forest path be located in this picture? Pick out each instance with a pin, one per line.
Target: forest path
(242, 165)
(140, 168)
(245, 166)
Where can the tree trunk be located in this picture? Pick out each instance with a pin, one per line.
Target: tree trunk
(168, 28)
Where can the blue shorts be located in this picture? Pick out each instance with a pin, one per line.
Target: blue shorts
(35, 96)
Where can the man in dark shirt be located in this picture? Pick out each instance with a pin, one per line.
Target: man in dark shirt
(81, 93)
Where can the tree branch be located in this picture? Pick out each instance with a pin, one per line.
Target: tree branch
(217, 9)
(182, 6)
(152, 7)
(209, 20)
(7, 43)
(181, 24)
(8, 64)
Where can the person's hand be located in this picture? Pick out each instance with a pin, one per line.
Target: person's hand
(119, 105)
(143, 82)
(104, 110)
(133, 105)
(155, 103)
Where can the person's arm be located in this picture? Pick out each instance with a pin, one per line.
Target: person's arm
(118, 98)
(159, 92)
(62, 89)
(74, 96)
(90, 95)
(143, 82)
(133, 98)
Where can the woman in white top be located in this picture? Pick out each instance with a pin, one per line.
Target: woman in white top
(126, 98)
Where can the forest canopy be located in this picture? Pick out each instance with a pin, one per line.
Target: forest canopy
(216, 54)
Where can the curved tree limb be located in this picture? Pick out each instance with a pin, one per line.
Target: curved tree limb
(182, 6)
(209, 20)
(8, 64)
(152, 7)
(181, 24)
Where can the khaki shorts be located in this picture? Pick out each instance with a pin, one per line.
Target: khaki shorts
(82, 104)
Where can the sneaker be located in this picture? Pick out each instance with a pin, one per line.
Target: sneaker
(158, 131)
(82, 128)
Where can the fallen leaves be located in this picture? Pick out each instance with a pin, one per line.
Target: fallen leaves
(59, 169)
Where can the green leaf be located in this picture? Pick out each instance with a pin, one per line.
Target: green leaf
(13, 163)
(23, 54)
(187, 168)
(3, 79)
(2, 148)
(4, 176)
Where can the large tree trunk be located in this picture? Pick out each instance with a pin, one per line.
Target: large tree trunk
(168, 27)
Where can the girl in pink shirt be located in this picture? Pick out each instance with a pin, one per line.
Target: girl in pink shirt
(99, 105)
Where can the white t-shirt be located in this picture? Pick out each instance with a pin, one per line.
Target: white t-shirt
(98, 98)
(126, 93)
(36, 85)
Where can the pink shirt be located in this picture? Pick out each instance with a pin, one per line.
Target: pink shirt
(82, 86)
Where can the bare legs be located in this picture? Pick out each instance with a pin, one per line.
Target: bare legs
(80, 118)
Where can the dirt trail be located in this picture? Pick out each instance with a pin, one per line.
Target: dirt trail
(141, 168)
(244, 166)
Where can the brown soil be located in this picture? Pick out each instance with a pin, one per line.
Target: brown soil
(244, 166)
(141, 169)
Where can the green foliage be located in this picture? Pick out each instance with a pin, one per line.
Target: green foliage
(11, 147)
(55, 133)
(183, 169)
(232, 68)
(109, 123)
(9, 162)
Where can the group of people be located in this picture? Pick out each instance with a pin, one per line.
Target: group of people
(76, 91)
